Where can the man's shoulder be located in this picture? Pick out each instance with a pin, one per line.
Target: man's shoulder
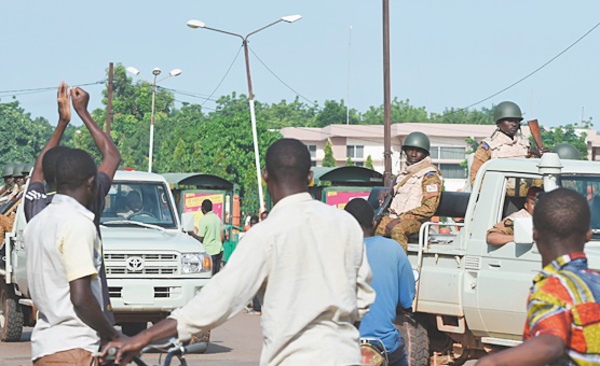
(383, 243)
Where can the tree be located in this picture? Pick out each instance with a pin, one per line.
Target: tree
(465, 116)
(349, 162)
(401, 111)
(21, 137)
(328, 159)
(369, 163)
(335, 113)
(566, 135)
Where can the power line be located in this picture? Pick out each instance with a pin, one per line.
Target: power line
(531, 73)
(16, 92)
(224, 76)
(188, 94)
(278, 78)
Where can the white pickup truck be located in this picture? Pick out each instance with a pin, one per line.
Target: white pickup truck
(471, 295)
(152, 266)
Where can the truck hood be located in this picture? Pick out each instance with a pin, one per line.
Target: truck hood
(147, 239)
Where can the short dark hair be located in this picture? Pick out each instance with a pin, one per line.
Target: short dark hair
(562, 215)
(362, 212)
(74, 167)
(207, 205)
(49, 163)
(253, 220)
(288, 161)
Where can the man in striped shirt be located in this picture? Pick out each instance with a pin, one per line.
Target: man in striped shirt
(563, 320)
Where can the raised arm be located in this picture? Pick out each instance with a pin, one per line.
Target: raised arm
(64, 117)
(110, 153)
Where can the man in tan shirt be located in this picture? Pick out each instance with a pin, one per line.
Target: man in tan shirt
(308, 264)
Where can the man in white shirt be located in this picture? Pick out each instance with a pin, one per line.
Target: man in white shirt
(63, 260)
(308, 264)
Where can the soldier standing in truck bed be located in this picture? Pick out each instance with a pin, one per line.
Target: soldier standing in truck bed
(416, 192)
(505, 142)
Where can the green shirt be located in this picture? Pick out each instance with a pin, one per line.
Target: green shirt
(210, 229)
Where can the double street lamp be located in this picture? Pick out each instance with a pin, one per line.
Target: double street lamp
(195, 24)
(156, 72)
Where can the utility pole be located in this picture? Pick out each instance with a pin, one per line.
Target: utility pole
(109, 97)
(387, 109)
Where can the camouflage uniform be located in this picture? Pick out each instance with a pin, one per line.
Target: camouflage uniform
(416, 197)
(499, 145)
(507, 225)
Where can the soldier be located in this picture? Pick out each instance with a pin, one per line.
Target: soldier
(19, 177)
(9, 180)
(416, 192)
(505, 142)
(503, 232)
(567, 151)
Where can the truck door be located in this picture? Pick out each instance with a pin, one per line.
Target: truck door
(507, 271)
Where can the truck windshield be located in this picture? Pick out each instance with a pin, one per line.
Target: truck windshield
(589, 187)
(142, 202)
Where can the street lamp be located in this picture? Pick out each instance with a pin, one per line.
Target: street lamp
(156, 71)
(195, 24)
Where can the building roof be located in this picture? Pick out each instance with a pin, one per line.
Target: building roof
(398, 130)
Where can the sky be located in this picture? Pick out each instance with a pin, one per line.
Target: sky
(443, 53)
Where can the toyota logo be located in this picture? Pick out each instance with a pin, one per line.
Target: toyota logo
(134, 264)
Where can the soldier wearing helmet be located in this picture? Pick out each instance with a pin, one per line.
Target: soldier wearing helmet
(416, 192)
(505, 142)
(9, 186)
(567, 151)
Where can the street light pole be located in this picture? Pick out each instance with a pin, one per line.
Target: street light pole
(288, 19)
(156, 71)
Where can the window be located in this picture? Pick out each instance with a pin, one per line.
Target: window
(313, 150)
(145, 203)
(355, 151)
(359, 163)
(313, 163)
(453, 171)
(448, 152)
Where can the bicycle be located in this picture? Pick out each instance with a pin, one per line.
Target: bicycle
(172, 349)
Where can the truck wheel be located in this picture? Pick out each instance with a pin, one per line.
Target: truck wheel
(132, 328)
(415, 339)
(11, 317)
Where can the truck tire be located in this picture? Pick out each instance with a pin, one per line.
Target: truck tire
(11, 316)
(132, 328)
(415, 337)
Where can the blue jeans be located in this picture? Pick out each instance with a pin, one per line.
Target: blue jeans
(399, 357)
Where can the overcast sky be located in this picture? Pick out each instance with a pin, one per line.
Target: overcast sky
(444, 53)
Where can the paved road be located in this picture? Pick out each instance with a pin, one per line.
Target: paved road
(237, 342)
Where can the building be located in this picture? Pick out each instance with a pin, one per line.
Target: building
(449, 145)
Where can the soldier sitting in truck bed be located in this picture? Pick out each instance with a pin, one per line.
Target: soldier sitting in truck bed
(416, 192)
(503, 232)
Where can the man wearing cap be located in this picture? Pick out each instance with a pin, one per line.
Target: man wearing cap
(416, 192)
(503, 232)
(505, 142)
(9, 181)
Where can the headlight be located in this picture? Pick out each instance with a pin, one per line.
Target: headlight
(195, 263)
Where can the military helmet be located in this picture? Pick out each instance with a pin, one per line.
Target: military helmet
(27, 168)
(418, 140)
(567, 151)
(506, 110)
(7, 171)
(18, 170)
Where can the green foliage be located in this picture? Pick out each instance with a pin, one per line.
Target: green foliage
(401, 111)
(465, 116)
(328, 159)
(349, 162)
(566, 135)
(21, 137)
(369, 163)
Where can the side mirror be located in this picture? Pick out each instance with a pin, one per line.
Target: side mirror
(187, 221)
(523, 230)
